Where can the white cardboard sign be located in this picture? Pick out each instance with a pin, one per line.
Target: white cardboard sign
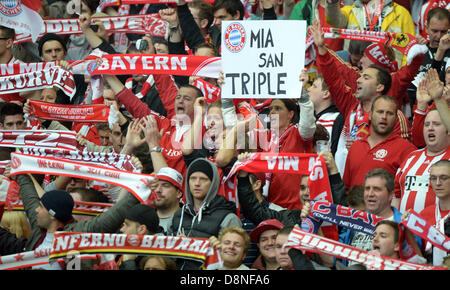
(263, 58)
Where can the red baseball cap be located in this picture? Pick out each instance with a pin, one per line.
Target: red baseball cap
(263, 226)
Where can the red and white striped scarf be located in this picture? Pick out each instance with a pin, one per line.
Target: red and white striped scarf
(292, 163)
(149, 82)
(137, 184)
(48, 139)
(37, 80)
(150, 24)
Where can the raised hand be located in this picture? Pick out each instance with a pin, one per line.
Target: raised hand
(150, 127)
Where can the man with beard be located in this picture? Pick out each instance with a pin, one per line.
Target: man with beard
(381, 148)
(168, 191)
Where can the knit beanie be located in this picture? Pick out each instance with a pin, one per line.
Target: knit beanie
(59, 204)
(145, 215)
(378, 55)
(50, 36)
(201, 165)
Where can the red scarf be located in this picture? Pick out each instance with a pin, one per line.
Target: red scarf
(118, 64)
(97, 113)
(150, 24)
(292, 163)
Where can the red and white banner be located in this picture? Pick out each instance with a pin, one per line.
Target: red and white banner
(292, 163)
(111, 160)
(105, 3)
(150, 24)
(210, 91)
(137, 184)
(7, 69)
(22, 16)
(198, 249)
(185, 65)
(25, 259)
(49, 139)
(305, 241)
(39, 79)
(419, 226)
(95, 113)
(404, 42)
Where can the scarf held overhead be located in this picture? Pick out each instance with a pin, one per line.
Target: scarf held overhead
(137, 184)
(150, 24)
(49, 139)
(96, 113)
(119, 64)
(37, 80)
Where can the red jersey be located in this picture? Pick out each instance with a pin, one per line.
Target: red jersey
(430, 214)
(284, 188)
(412, 181)
(388, 154)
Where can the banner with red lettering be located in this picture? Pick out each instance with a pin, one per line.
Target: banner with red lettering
(185, 65)
(198, 249)
(136, 183)
(292, 163)
(95, 113)
(49, 139)
(37, 80)
(305, 241)
(150, 24)
(111, 160)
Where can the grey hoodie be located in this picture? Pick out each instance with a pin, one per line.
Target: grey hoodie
(214, 214)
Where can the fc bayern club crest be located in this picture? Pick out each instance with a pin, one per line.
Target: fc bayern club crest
(10, 7)
(235, 37)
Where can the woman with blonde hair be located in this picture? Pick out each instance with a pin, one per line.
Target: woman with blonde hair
(16, 223)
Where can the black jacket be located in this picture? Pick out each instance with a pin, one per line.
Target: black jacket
(10, 244)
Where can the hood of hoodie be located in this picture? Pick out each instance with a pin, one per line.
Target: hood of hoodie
(213, 188)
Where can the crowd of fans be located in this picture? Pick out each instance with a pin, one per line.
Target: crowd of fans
(384, 121)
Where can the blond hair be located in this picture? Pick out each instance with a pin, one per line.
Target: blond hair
(16, 222)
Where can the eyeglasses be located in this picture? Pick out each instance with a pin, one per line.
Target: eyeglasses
(442, 178)
(4, 38)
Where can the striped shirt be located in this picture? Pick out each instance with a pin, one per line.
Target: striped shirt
(412, 180)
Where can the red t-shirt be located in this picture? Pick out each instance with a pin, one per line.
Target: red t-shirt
(284, 188)
(388, 154)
